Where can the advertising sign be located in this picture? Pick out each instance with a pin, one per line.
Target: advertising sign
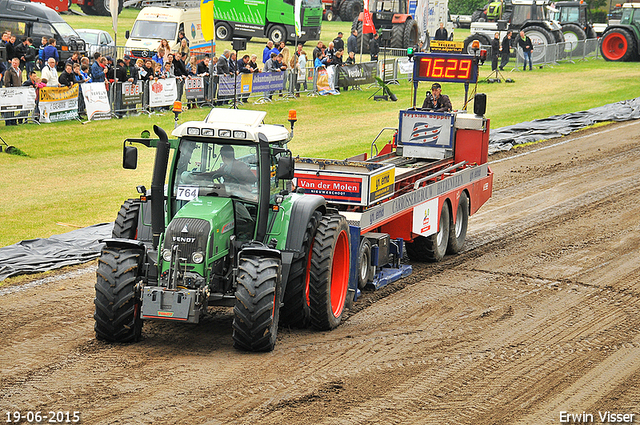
(335, 188)
(131, 93)
(17, 99)
(58, 103)
(268, 81)
(194, 87)
(162, 92)
(356, 75)
(96, 101)
(425, 218)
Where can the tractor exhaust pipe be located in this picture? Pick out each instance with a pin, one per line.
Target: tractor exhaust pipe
(263, 214)
(157, 185)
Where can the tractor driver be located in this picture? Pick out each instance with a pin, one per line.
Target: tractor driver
(232, 170)
(436, 101)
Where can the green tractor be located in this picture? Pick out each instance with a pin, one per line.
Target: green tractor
(620, 42)
(224, 229)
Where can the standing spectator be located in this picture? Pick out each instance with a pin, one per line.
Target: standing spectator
(317, 51)
(51, 51)
(74, 58)
(374, 47)
(233, 64)
(181, 37)
(84, 71)
(495, 51)
(299, 49)
(12, 78)
(146, 71)
(80, 79)
(192, 67)
(338, 42)
(301, 68)
(99, 70)
(351, 60)
(244, 68)
(169, 60)
(352, 42)
(129, 72)
(10, 45)
(331, 50)
(441, 33)
(179, 67)
(223, 63)
(286, 54)
(165, 46)
(505, 50)
(204, 72)
(159, 56)
(43, 44)
(67, 78)
(50, 73)
(184, 49)
(527, 47)
(167, 72)
(266, 53)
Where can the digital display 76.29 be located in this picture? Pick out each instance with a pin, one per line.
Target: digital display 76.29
(446, 67)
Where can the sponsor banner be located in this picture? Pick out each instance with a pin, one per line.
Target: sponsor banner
(333, 188)
(426, 129)
(131, 93)
(356, 75)
(425, 218)
(244, 84)
(405, 66)
(382, 185)
(17, 99)
(268, 81)
(96, 101)
(162, 92)
(58, 103)
(194, 87)
(442, 46)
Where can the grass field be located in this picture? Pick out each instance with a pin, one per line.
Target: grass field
(72, 176)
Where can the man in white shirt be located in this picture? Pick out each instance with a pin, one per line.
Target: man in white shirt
(50, 73)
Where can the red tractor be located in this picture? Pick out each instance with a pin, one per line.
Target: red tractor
(346, 10)
(90, 7)
(393, 15)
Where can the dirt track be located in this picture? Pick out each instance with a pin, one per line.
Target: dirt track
(540, 314)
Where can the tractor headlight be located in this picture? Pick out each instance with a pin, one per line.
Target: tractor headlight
(197, 257)
(224, 133)
(166, 255)
(237, 134)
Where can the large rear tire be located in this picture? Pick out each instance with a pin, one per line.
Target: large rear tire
(433, 247)
(574, 40)
(295, 311)
(257, 307)
(117, 312)
(350, 9)
(541, 39)
(397, 36)
(126, 224)
(329, 272)
(103, 8)
(88, 10)
(468, 43)
(458, 230)
(618, 44)
(411, 32)
(357, 25)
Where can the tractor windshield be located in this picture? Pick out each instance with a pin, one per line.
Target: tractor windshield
(523, 13)
(215, 169)
(629, 17)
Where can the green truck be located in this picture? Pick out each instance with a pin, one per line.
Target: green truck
(273, 19)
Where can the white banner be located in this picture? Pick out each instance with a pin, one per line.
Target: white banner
(58, 103)
(96, 101)
(162, 92)
(17, 99)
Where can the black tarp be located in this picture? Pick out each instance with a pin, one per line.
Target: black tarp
(82, 245)
(39, 255)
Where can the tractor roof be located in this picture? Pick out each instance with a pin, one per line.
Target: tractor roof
(631, 5)
(233, 124)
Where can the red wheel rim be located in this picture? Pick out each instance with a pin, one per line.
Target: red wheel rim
(340, 274)
(615, 46)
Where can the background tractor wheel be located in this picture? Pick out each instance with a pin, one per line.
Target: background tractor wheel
(126, 224)
(350, 10)
(541, 38)
(433, 247)
(295, 311)
(357, 25)
(397, 36)
(329, 272)
(574, 39)
(88, 10)
(255, 315)
(411, 32)
(329, 16)
(117, 312)
(618, 45)
(468, 42)
(103, 8)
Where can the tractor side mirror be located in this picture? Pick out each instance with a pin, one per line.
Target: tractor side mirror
(127, 34)
(130, 157)
(286, 168)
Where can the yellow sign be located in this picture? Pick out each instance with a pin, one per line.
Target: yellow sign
(446, 46)
(51, 94)
(382, 185)
(206, 18)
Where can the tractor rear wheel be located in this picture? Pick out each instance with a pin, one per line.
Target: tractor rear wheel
(541, 39)
(257, 307)
(433, 247)
(362, 39)
(88, 10)
(411, 32)
(350, 10)
(126, 224)
(458, 230)
(329, 272)
(618, 44)
(468, 43)
(574, 40)
(117, 312)
(329, 15)
(295, 311)
(397, 36)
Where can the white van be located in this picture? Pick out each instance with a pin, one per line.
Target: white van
(156, 23)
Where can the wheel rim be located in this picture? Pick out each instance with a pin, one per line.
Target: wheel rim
(107, 6)
(540, 43)
(615, 45)
(364, 266)
(339, 274)
(458, 225)
(570, 41)
(277, 36)
(440, 234)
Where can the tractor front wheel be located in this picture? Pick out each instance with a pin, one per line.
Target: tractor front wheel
(329, 272)
(117, 312)
(126, 224)
(257, 307)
